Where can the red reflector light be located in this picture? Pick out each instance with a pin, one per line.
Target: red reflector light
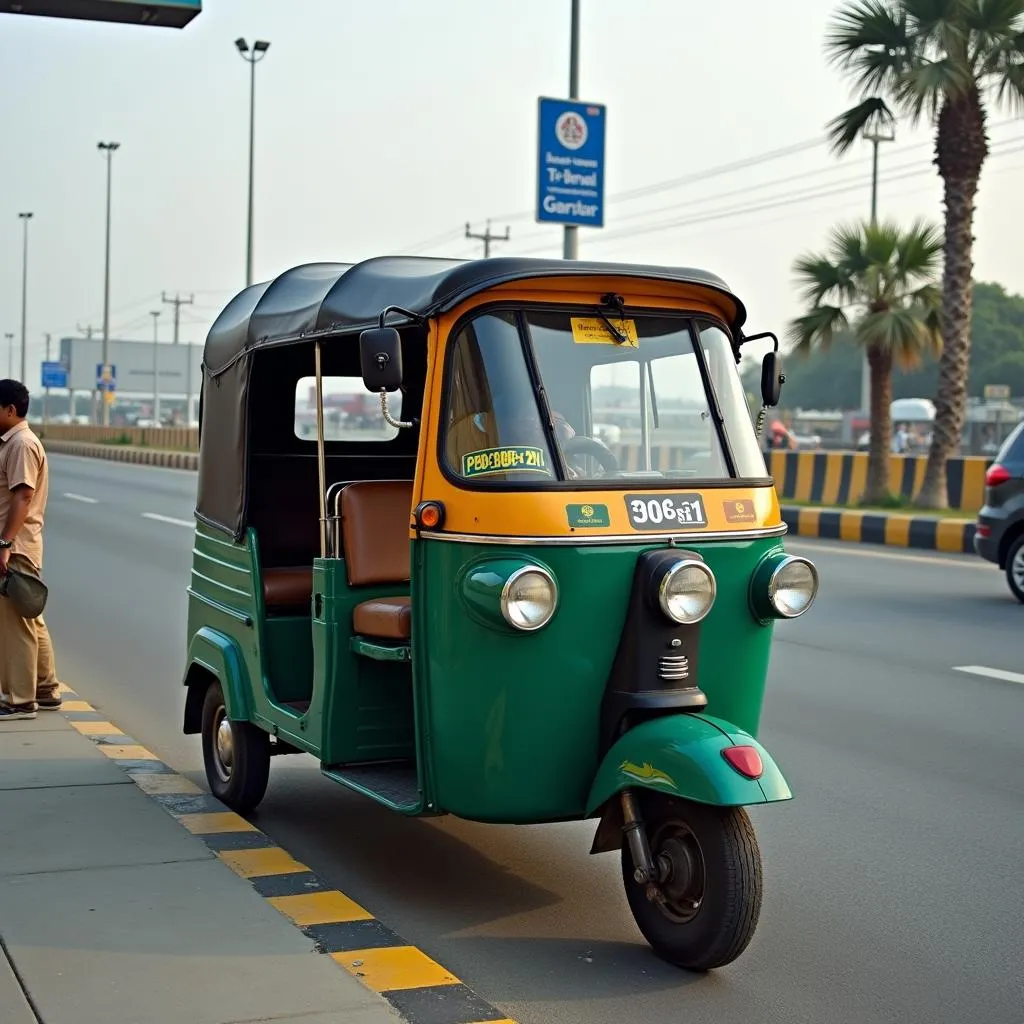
(981, 530)
(746, 760)
(996, 475)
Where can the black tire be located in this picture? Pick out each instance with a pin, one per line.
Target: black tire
(1015, 568)
(242, 783)
(725, 883)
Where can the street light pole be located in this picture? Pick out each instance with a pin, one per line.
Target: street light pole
(570, 240)
(875, 135)
(109, 149)
(25, 218)
(10, 353)
(259, 50)
(155, 313)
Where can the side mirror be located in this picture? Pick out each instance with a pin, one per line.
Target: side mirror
(380, 359)
(772, 379)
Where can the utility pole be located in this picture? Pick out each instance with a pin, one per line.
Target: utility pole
(46, 391)
(875, 135)
(87, 330)
(487, 238)
(9, 335)
(570, 242)
(25, 217)
(177, 302)
(155, 314)
(109, 148)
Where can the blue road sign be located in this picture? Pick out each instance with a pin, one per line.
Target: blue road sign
(106, 381)
(55, 375)
(570, 162)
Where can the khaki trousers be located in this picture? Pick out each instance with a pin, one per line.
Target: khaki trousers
(27, 667)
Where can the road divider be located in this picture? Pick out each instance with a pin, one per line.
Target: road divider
(419, 988)
(926, 533)
(124, 453)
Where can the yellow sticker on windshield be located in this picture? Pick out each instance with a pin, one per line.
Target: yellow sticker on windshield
(594, 331)
(503, 460)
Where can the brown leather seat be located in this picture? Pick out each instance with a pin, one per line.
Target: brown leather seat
(389, 618)
(375, 519)
(288, 589)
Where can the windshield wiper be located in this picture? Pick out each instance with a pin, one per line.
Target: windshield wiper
(616, 302)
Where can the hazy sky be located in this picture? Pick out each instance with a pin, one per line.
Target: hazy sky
(383, 127)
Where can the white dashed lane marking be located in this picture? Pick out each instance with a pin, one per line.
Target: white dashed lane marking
(991, 673)
(81, 497)
(168, 519)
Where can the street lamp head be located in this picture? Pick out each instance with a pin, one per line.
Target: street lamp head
(260, 46)
(243, 46)
(110, 146)
(25, 216)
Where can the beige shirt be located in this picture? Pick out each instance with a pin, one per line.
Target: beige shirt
(23, 462)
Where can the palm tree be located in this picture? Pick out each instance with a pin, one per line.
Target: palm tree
(943, 61)
(876, 284)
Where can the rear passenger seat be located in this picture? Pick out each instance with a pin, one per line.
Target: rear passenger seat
(375, 534)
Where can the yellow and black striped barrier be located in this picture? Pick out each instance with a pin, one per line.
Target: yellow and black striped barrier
(421, 990)
(927, 533)
(839, 478)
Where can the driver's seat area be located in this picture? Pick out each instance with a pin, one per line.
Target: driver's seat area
(375, 534)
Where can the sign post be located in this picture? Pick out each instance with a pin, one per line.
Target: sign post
(55, 375)
(570, 163)
(106, 381)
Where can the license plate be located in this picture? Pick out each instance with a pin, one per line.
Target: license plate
(666, 511)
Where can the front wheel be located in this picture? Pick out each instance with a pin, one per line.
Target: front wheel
(710, 865)
(236, 755)
(1015, 568)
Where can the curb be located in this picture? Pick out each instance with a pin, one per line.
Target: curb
(124, 453)
(418, 988)
(926, 533)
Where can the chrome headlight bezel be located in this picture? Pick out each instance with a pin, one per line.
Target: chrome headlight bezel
(774, 586)
(505, 599)
(673, 572)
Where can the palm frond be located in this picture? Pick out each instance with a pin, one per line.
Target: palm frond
(902, 331)
(1010, 88)
(922, 89)
(817, 329)
(866, 23)
(844, 130)
(919, 252)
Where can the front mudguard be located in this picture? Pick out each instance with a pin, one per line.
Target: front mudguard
(680, 756)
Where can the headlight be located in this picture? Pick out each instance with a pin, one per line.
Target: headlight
(528, 598)
(686, 592)
(792, 587)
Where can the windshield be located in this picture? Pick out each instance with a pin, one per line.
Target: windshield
(541, 396)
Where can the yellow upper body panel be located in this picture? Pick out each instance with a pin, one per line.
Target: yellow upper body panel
(639, 510)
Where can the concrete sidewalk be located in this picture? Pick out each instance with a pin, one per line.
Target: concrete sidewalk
(110, 911)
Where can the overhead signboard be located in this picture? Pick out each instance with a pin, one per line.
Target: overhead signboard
(997, 392)
(131, 367)
(161, 13)
(570, 162)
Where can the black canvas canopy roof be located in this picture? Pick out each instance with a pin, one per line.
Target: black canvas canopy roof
(341, 298)
(335, 300)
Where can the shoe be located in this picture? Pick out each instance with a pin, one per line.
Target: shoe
(49, 703)
(16, 713)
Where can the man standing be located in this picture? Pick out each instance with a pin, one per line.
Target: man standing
(27, 672)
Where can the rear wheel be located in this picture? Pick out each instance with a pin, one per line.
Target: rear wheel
(236, 755)
(710, 865)
(1015, 568)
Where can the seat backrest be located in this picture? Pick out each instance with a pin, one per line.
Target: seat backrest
(375, 530)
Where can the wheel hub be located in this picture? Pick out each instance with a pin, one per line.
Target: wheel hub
(1018, 568)
(680, 865)
(224, 746)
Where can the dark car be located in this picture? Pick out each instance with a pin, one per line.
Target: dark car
(1000, 528)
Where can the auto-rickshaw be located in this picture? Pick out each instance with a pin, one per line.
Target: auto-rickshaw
(460, 601)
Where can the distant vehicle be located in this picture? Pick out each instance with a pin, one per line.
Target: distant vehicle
(808, 440)
(999, 535)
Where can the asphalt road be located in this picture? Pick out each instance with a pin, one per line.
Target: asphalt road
(894, 881)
